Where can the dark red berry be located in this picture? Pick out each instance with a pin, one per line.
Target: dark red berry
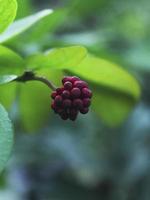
(80, 84)
(78, 103)
(67, 103)
(59, 90)
(73, 97)
(86, 93)
(53, 95)
(66, 78)
(68, 85)
(75, 78)
(75, 93)
(65, 94)
(84, 110)
(86, 102)
(64, 115)
(58, 100)
(73, 114)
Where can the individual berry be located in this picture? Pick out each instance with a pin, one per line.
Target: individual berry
(65, 94)
(75, 93)
(73, 114)
(59, 90)
(86, 102)
(74, 78)
(86, 93)
(58, 100)
(80, 84)
(67, 103)
(72, 97)
(64, 115)
(84, 110)
(68, 85)
(66, 79)
(78, 103)
(54, 94)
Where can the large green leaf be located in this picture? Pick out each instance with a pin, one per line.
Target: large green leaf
(21, 25)
(10, 64)
(115, 91)
(8, 10)
(104, 73)
(58, 58)
(6, 137)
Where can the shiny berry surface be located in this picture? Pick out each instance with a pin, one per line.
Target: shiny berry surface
(70, 99)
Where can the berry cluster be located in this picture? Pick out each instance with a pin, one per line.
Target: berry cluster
(72, 98)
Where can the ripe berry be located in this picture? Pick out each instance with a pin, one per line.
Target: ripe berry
(65, 94)
(86, 93)
(78, 103)
(75, 93)
(67, 103)
(74, 97)
(80, 84)
(68, 85)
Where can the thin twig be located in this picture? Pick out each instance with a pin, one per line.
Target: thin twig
(31, 76)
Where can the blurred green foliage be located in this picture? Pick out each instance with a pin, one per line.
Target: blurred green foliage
(87, 159)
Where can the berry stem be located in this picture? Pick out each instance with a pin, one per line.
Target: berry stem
(30, 76)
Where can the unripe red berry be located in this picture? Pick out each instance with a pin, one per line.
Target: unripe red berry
(73, 97)
(75, 93)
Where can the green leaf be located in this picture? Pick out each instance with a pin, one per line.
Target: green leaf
(7, 98)
(47, 25)
(24, 8)
(104, 73)
(21, 25)
(58, 58)
(115, 91)
(6, 137)
(112, 107)
(8, 10)
(10, 64)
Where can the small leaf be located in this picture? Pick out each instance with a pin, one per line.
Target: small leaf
(6, 137)
(58, 58)
(21, 25)
(10, 64)
(8, 10)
